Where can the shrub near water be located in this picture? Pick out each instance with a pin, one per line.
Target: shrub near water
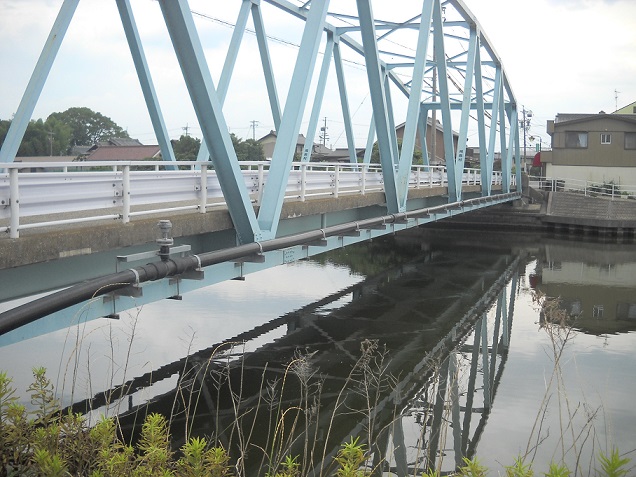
(45, 442)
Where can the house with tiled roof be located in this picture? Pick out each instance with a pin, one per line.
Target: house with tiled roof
(124, 153)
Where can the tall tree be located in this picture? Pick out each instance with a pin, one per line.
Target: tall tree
(186, 148)
(41, 138)
(88, 127)
(247, 150)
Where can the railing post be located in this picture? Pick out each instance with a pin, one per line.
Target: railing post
(336, 181)
(261, 180)
(14, 192)
(418, 177)
(125, 179)
(585, 189)
(303, 181)
(203, 184)
(365, 168)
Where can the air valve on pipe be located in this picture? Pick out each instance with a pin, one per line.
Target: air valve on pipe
(164, 240)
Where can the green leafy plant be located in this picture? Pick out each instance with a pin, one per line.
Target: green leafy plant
(613, 465)
(558, 470)
(350, 458)
(519, 469)
(472, 468)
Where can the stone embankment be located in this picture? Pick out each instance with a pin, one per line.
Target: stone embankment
(561, 212)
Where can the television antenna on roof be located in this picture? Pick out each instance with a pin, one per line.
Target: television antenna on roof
(616, 99)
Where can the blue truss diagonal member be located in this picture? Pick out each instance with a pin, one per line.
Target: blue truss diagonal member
(454, 182)
(413, 112)
(466, 102)
(378, 100)
(283, 155)
(261, 39)
(320, 94)
(209, 112)
(344, 102)
(33, 90)
(145, 80)
(228, 66)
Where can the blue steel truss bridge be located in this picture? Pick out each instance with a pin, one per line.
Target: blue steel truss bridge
(86, 234)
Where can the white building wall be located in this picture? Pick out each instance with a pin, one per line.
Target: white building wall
(598, 175)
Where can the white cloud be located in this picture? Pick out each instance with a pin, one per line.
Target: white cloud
(560, 56)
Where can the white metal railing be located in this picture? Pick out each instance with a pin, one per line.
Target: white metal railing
(585, 187)
(38, 195)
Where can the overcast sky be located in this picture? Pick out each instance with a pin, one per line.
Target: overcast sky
(561, 56)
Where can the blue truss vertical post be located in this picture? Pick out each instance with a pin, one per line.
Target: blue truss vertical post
(380, 108)
(228, 65)
(145, 80)
(413, 113)
(517, 151)
(261, 38)
(36, 83)
(320, 93)
(370, 139)
(209, 112)
(466, 104)
(496, 99)
(283, 155)
(454, 182)
(391, 118)
(422, 126)
(512, 138)
(344, 101)
(486, 361)
(505, 160)
(486, 172)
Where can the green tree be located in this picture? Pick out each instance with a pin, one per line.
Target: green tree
(247, 150)
(186, 148)
(88, 127)
(41, 138)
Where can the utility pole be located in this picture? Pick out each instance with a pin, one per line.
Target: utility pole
(253, 125)
(525, 125)
(323, 134)
(186, 128)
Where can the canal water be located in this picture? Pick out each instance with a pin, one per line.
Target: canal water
(428, 346)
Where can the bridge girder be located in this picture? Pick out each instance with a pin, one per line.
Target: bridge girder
(460, 75)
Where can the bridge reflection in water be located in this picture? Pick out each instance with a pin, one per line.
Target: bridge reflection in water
(408, 361)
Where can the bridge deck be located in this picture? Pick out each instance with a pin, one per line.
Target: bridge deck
(62, 241)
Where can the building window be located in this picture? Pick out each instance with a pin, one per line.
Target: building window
(630, 140)
(606, 138)
(575, 139)
(598, 312)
